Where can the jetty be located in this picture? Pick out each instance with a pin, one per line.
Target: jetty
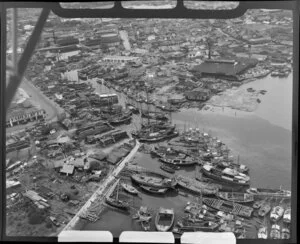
(106, 188)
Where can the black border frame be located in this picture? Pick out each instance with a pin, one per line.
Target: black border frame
(178, 12)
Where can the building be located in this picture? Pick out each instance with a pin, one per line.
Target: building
(223, 68)
(198, 94)
(121, 59)
(67, 169)
(15, 118)
(66, 41)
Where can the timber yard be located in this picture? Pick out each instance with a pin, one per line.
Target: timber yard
(92, 133)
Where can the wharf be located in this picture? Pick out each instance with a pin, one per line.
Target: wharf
(100, 194)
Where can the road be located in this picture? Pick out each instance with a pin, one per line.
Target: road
(103, 189)
(36, 95)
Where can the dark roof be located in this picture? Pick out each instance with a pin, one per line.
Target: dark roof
(216, 68)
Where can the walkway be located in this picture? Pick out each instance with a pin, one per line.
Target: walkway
(103, 189)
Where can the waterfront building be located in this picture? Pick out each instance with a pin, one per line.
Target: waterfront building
(16, 118)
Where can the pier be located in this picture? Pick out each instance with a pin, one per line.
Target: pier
(100, 194)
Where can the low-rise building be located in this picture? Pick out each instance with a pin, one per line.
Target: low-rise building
(198, 94)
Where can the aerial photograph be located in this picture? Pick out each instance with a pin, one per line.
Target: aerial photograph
(151, 124)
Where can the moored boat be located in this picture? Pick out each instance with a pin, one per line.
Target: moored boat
(285, 234)
(198, 187)
(287, 216)
(262, 192)
(167, 169)
(275, 232)
(227, 175)
(153, 179)
(144, 214)
(206, 226)
(154, 190)
(236, 197)
(130, 189)
(117, 203)
(264, 209)
(164, 219)
(179, 162)
(262, 232)
(276, 213)
(226, 206)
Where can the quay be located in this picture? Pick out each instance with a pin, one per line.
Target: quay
(103, 190)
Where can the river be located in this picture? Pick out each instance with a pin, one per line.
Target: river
(262, 139)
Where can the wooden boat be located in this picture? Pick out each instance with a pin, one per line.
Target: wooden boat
(287, 216)
(264, 209)
(275, 232)
(198, 187)
(236, 197)
(206, 226)
(153, 179)
(167, 169)
(164, 219)
(276, 213)
(262, 192)
(117, 203)
(130, 189)
(157, 136)
(258, 204)
(285, 233)
(226, 206)
(145, 225)
(262, 232)
(144, 214)
(154, 190)
(179, 162)
(227, 175)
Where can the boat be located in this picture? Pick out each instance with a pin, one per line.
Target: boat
(258, 204)
(130, 189)
(262, 192)
(264, 209)
(262, 232)
(285, 233)
(198, 187)
(153, 179)
(179, 162)
(54, 221)
(276, 213)
(145, 225)
(227, 175)
(206, 226)
(287, 216)
(167, 169)
(236, 197)
(164, 219)
(155, 116)
(144, 214)
(231, 207)
(154, 190)
(177, 231)
(117, 203)
(153, 137)
(275, 232)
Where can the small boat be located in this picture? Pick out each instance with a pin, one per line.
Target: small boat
(287, 216)
(144, 214)
(236, 197)
(167, 169)
(54, 221)
(262, 192)
(275, 232)
(264, 209)
(164, 219)
(262, 232)
(276, 213)
(258, 204)
(130, 189)
(145, 225)
(154, 190)
(179, 162)
(117, 203)
(285, 233)
(206, 226)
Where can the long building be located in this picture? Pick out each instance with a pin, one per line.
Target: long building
(121, 59)
(13, 119)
